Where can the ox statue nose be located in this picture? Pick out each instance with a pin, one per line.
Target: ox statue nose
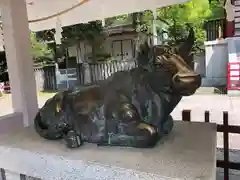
(187, 84)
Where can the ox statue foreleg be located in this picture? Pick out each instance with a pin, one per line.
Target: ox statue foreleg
(140, 136)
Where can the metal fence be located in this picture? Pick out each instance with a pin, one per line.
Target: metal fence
(224, 128)
(48, 79)
(102, 70)
(212, 29)
(45, 78)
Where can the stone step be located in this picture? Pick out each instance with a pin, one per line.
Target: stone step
(237, 19)
(237, 30)
(237, 8)
(237, 3)
(237, 25)
(237, 14)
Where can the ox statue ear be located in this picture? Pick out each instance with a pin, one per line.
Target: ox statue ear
(123, 98)
(143, 52)
(185, 50)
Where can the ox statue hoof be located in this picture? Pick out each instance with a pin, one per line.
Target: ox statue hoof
(73, 140)
(167, 126)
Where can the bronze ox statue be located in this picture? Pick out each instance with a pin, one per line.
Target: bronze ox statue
(130, 108)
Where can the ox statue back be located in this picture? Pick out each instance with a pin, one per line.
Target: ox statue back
(130, 108)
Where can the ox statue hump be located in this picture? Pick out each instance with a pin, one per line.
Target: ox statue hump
(130, 108)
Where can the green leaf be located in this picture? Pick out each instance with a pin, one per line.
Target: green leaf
(40, 50)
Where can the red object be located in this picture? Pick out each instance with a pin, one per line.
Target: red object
(229, 29)
(233, 81)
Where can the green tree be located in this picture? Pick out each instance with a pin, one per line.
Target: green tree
(217, 9)
(176, 20)
(91, 32)
(40, 51)
(193, 12)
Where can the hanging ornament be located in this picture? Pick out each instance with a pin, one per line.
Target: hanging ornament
(229, 7)
(59, 30)
(1, 39)
(154, 27)
(154, 13)
(102, 11)
(103, 22)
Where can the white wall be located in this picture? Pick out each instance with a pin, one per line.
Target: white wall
(216, 61)
(199, 64)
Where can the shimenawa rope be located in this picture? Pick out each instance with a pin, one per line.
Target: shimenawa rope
(59, 13)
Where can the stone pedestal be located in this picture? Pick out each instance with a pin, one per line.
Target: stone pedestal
(189, 153)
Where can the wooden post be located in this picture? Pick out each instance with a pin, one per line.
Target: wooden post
(23, 177)
(186, 115)
(206, 116)
(2, 174)
(226, 145)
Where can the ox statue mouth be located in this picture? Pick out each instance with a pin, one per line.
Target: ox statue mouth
(186, 85)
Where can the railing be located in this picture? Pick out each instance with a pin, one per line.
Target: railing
(233, 76)
(224, 128)
(102, 70)
(45, 78)
(48, 79)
